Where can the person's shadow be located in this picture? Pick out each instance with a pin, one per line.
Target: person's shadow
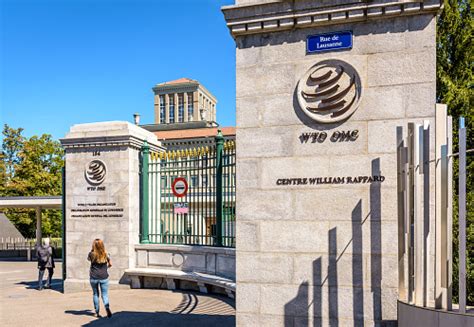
(87, 312)
(56, 285)
(190, 312)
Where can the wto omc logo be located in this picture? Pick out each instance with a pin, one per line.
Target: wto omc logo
(329, 91)
(95, 172)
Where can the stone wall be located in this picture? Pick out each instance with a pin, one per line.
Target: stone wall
(203, 259)
(107, 210)
(322, 254)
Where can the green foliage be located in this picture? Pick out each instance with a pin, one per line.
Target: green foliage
(31, 167)
(455, 61)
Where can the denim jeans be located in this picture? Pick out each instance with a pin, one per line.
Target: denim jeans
(104, 290)
(41, 274)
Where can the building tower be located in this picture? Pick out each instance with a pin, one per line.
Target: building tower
(183, 100)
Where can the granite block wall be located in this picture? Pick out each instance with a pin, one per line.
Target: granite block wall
(326, 254)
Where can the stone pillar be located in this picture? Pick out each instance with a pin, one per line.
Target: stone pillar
(316, 160)
(102, 196)
(197, 108)
(167, 108)
(176, 108)
(185, 104)
(157, 109)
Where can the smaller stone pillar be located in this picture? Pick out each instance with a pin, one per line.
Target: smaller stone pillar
(103, 196)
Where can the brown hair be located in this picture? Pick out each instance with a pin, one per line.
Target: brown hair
(98, 251)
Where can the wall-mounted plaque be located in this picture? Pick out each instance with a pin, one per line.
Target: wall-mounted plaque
(329, 42)
(329, 91)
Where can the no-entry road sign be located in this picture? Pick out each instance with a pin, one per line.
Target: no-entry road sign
(179, 187)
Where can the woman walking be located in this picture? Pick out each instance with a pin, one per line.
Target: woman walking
(99, 277)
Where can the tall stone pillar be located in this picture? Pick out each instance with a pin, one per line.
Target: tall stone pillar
(102, 196)
(321, 87)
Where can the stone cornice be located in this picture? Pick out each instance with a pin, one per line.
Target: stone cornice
(107, 141)
(175, 88)
(274, 17)
(181, 88)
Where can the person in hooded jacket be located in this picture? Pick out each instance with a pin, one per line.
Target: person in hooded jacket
(45, 255)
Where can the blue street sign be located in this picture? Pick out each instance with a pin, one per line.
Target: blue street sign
(329, 41)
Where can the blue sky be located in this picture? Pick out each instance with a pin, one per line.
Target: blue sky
(65, 62)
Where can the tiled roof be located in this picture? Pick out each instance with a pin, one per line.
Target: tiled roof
(179, 81)
(194, 133)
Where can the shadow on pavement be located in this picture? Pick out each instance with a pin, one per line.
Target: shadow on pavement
(193, 310)
(80, 312)
(128, 318)
(56, 284)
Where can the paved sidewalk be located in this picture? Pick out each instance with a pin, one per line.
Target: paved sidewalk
(22, 305)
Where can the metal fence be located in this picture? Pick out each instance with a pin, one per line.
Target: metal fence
(425, 252)
(205, 213)
(19, 243)
(25, 247)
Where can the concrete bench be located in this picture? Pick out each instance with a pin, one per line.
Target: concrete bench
(170, 275)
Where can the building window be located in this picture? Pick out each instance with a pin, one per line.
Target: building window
(180, 107)
(204, 180)
(171, 100)
(162, 109)
(194, 180)
(164, 182)
(190, 106)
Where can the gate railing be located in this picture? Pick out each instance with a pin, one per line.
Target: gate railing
(206, 214)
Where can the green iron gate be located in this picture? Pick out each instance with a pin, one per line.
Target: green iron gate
(205, 215)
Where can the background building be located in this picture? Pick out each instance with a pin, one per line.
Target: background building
(183, 100)
(185, 115)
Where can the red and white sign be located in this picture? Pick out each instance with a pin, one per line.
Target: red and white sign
(181, 208)
(179, 187)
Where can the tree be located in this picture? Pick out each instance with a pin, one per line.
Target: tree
(455, 61)
(32, 167)
(12, 145)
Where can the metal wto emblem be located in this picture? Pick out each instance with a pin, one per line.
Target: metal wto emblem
(95, 172)
(330, 91)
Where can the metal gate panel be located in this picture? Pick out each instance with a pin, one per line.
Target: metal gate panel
(206, 214)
